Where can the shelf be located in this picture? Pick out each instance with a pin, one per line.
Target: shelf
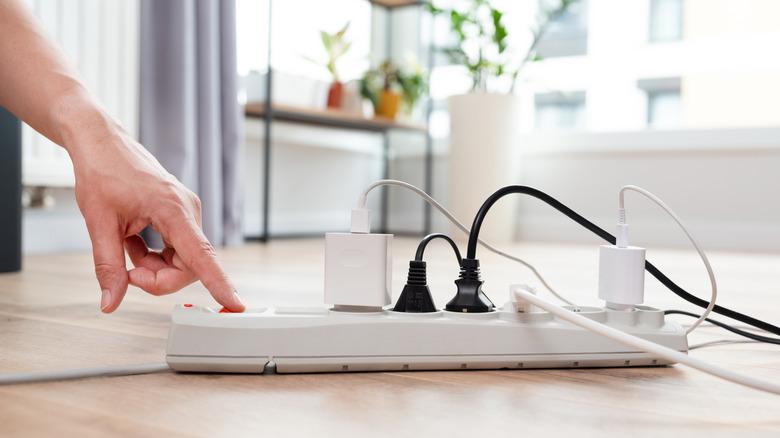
(390, 4)
(330, 118)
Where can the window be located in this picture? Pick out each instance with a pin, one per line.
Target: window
(560, 110)
(664, 105)
(663, 109)
(568, 34)
(297, 47)
(666, 20)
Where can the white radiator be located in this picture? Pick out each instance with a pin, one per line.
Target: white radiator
(100, 38)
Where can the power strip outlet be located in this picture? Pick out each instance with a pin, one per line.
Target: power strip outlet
(303, 340)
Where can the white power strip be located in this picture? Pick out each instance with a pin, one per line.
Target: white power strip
(299, 340)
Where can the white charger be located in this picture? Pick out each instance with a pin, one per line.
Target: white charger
(622, 271)
(358, 266)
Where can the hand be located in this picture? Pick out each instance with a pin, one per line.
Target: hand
(121, 188)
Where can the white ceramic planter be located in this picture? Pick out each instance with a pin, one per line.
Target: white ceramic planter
(484, 139)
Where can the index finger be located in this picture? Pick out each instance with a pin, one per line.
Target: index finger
(199, 255)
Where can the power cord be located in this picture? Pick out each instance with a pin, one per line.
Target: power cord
(416, 296)
(622, 241)
(644, 345)
(720, 342)
(424, 243)
(595, 229)
(363, 200)
(80, 373)
(725, 326)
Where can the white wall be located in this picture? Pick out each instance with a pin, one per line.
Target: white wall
(317, 176)
(100, 38)
(722, 183)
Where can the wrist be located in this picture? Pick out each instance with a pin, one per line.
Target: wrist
(80, 123)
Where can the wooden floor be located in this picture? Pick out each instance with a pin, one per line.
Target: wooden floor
(49, 319)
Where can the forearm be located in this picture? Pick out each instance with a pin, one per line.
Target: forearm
(38, 85)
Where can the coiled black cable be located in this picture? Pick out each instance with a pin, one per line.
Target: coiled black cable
(595, 229)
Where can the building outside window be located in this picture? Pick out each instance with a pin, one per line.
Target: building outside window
(664, 109)
(664, 103)
(568, 34)
(557, 110)
(666, 20)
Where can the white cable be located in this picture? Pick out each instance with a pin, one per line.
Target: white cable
(722, 342)
(650, 347)
(391, 182)
(80, 373)
(668, 210)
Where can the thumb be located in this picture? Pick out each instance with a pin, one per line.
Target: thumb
(110, 269)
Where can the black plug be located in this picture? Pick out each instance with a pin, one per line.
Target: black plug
(416, 297)
(469, 297)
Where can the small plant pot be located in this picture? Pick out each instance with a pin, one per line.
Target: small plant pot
(389, 103)
(335, 95)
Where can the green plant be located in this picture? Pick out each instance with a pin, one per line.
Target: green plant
(336, 46)
(409, 81)
(413, 83)
(482, 45)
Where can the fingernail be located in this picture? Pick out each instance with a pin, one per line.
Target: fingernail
(238, 298)
(105, 301)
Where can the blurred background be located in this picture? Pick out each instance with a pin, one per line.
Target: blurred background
(576, 98)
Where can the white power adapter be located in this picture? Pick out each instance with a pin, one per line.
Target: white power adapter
(358, 266)
(622, 271)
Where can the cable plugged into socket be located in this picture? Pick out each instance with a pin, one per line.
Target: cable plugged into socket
(469, 298)
(416, 297)
(621, 271)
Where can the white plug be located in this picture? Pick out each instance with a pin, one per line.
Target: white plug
(622, 270)
(361, 221)
(516, 301)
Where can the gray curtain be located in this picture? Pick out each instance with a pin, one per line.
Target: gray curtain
(189, 115)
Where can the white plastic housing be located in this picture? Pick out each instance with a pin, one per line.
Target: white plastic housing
(360, 220)
(321, 340)
(358, 269)
(622, 275)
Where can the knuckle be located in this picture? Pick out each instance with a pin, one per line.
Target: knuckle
(206, 248)
(205, 252)
(106, 273)
(196, 201)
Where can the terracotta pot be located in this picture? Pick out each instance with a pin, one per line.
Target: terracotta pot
(389, 103)
(335, 95)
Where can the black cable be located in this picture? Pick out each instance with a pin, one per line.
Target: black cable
(428, 238)
(725, 326)
(595, 229)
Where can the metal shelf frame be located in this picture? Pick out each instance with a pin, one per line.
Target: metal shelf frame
(270, 113)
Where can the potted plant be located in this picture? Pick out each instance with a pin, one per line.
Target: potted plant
(483, 122)
(336, 46)
(389, 87)
(414, 84)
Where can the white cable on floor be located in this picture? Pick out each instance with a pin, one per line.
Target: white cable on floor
(647, 346)
(391, 182)
(722, 342)
(80, 373)
(703, 256)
